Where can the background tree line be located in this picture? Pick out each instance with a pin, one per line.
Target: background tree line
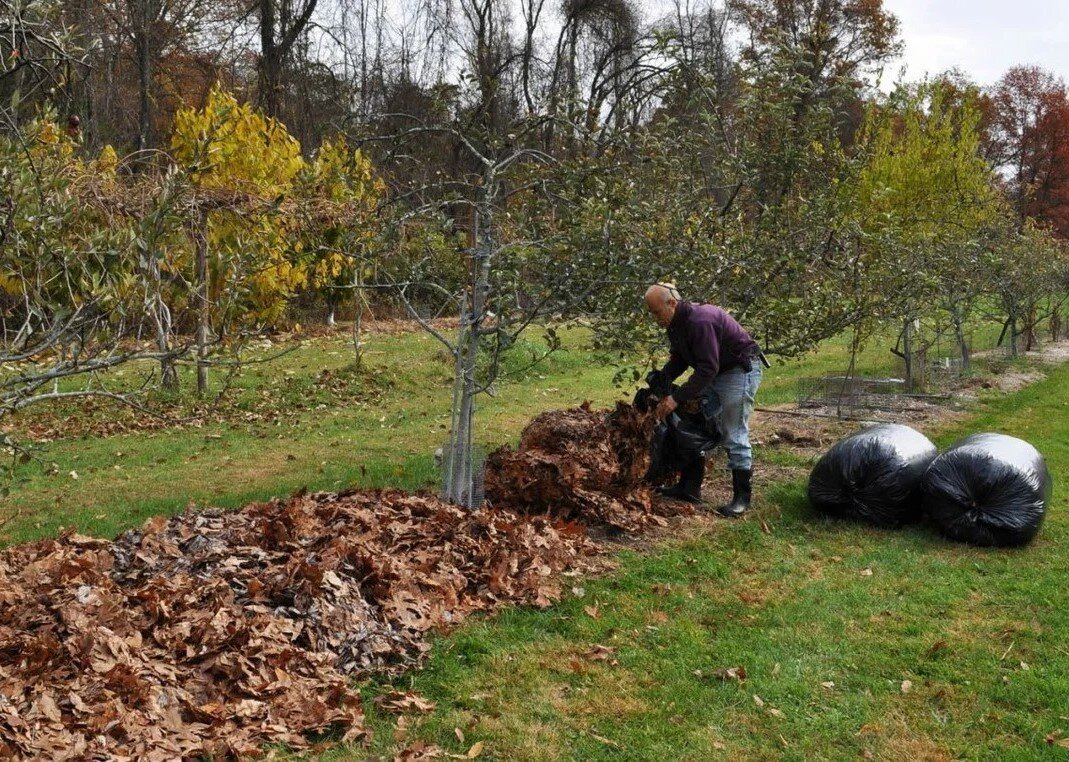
(179, 174)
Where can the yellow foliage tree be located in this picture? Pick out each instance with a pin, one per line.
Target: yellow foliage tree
(231, 146)
(339, 249)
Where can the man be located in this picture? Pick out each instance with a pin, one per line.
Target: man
(725, 359)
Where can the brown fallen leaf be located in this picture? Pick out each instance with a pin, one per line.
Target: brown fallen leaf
(599, 652)
(592, 611)
(866, 572)
(730, 674)
(397, 702)
(475, 750)
(937, 647)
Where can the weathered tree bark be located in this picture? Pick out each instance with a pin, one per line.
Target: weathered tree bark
(200, 237)
(278, 33)
(146, 14)
(1029, 332)
(161, 316)
(460, 474)
(907, 353)
(959, 335)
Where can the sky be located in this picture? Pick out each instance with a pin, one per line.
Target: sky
(984, 38)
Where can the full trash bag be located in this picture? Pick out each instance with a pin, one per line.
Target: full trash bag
(873, 476)
(988, 489)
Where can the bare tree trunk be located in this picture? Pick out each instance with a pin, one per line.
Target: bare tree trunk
(270, 63)
(200, 237)
(358, 318)
(959, 335)
(907, 353)
(161, 316)
(1029, 332)
(460, 487)
(1056, 322)
(278, 33)
(144, 42)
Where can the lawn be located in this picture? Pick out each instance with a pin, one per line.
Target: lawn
(285, 430)
(853, 641)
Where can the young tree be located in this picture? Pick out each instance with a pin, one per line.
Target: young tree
(242, 165)
(927, 192)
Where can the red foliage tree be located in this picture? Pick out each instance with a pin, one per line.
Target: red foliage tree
(1028, 115)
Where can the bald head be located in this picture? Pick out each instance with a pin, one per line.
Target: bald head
(662, 300)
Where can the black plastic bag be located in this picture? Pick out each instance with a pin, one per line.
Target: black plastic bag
(873, 476)
(988, 489)
(680, 437)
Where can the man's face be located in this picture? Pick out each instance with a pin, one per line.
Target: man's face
(663, 311)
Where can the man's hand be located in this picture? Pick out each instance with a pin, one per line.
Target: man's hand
(665, 408)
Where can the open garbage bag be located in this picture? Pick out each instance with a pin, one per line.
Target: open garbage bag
(873, 476)
(988, 489)
(681, 436)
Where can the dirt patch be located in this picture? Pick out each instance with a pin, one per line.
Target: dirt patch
(811, 431)
(1055, 352)
(1006, 381)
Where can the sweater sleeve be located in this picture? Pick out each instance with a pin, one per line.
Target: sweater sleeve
(675, 366)
(705, 343)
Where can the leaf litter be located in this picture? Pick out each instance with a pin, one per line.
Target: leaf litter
(214, 633)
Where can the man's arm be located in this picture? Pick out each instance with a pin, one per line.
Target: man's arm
(674, 367)
(705, 343)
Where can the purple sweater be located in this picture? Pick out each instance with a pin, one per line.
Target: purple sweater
(705, 337)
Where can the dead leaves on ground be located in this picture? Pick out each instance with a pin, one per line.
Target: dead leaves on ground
(581, 464)
(213, 633)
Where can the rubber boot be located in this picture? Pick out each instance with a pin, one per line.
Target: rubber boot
(742, 489)
(690, 483)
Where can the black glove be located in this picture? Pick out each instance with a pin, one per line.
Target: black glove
(659, 383)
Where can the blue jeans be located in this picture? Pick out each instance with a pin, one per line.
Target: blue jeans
(737, 390)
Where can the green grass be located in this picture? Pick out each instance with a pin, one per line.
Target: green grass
(385, 436)
(284, 431)
(979, 634)
(784, 596)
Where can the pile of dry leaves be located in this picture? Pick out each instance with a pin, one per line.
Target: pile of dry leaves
(581, 464)
(213, 633)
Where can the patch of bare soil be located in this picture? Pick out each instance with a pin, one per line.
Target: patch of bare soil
(1054, 352)
(812, 431)
(1012, 380)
